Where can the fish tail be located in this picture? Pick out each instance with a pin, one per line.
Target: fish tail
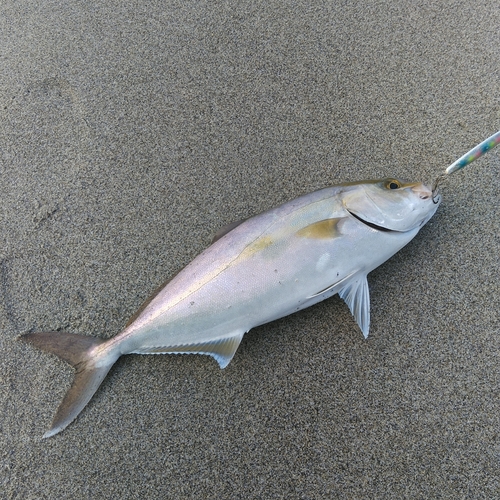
(92, 360)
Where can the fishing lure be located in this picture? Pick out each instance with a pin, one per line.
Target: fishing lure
(468, 158)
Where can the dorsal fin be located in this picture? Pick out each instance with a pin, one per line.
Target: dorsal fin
(226, 229)
(219, 234)
(357, 296)
(149, 299)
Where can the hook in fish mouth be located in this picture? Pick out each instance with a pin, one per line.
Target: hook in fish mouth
(435, 188)
(436, 197)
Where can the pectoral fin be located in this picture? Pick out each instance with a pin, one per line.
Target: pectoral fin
(322, 230)
(222, 350)
(357, 296)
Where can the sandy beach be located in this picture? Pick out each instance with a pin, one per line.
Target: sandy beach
(130, 132)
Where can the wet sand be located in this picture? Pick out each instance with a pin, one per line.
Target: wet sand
(131, 132)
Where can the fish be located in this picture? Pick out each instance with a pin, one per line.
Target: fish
(255, 271)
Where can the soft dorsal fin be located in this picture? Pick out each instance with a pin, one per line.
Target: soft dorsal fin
(219, 234)
(357, 296)
(222, 350)
(224, 230)
(148, 301)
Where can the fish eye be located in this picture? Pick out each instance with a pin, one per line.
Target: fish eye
(393, 184)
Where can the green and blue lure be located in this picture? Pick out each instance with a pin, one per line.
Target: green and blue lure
(468, 158)
(475, 153)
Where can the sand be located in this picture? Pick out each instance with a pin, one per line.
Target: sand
(130, 132)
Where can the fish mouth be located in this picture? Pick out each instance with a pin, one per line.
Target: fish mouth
(371, 224)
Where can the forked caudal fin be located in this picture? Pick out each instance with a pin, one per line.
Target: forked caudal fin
(91, 365)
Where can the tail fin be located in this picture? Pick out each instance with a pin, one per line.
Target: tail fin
(91, 365)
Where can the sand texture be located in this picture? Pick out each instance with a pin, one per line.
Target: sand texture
(130, 132)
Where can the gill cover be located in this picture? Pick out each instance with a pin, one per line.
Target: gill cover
(390, 204)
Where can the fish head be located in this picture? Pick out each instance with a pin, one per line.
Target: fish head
(391, 204)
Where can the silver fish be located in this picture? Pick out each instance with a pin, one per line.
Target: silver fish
(256, 271)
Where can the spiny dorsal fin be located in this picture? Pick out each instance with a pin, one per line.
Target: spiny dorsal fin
(357, 296)
(226, 229)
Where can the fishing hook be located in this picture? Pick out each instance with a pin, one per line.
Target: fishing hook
(435, 191)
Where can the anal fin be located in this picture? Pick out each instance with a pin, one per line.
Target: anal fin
(357, 296)
(222, 350)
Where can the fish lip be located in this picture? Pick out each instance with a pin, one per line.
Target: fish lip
(371, 224)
